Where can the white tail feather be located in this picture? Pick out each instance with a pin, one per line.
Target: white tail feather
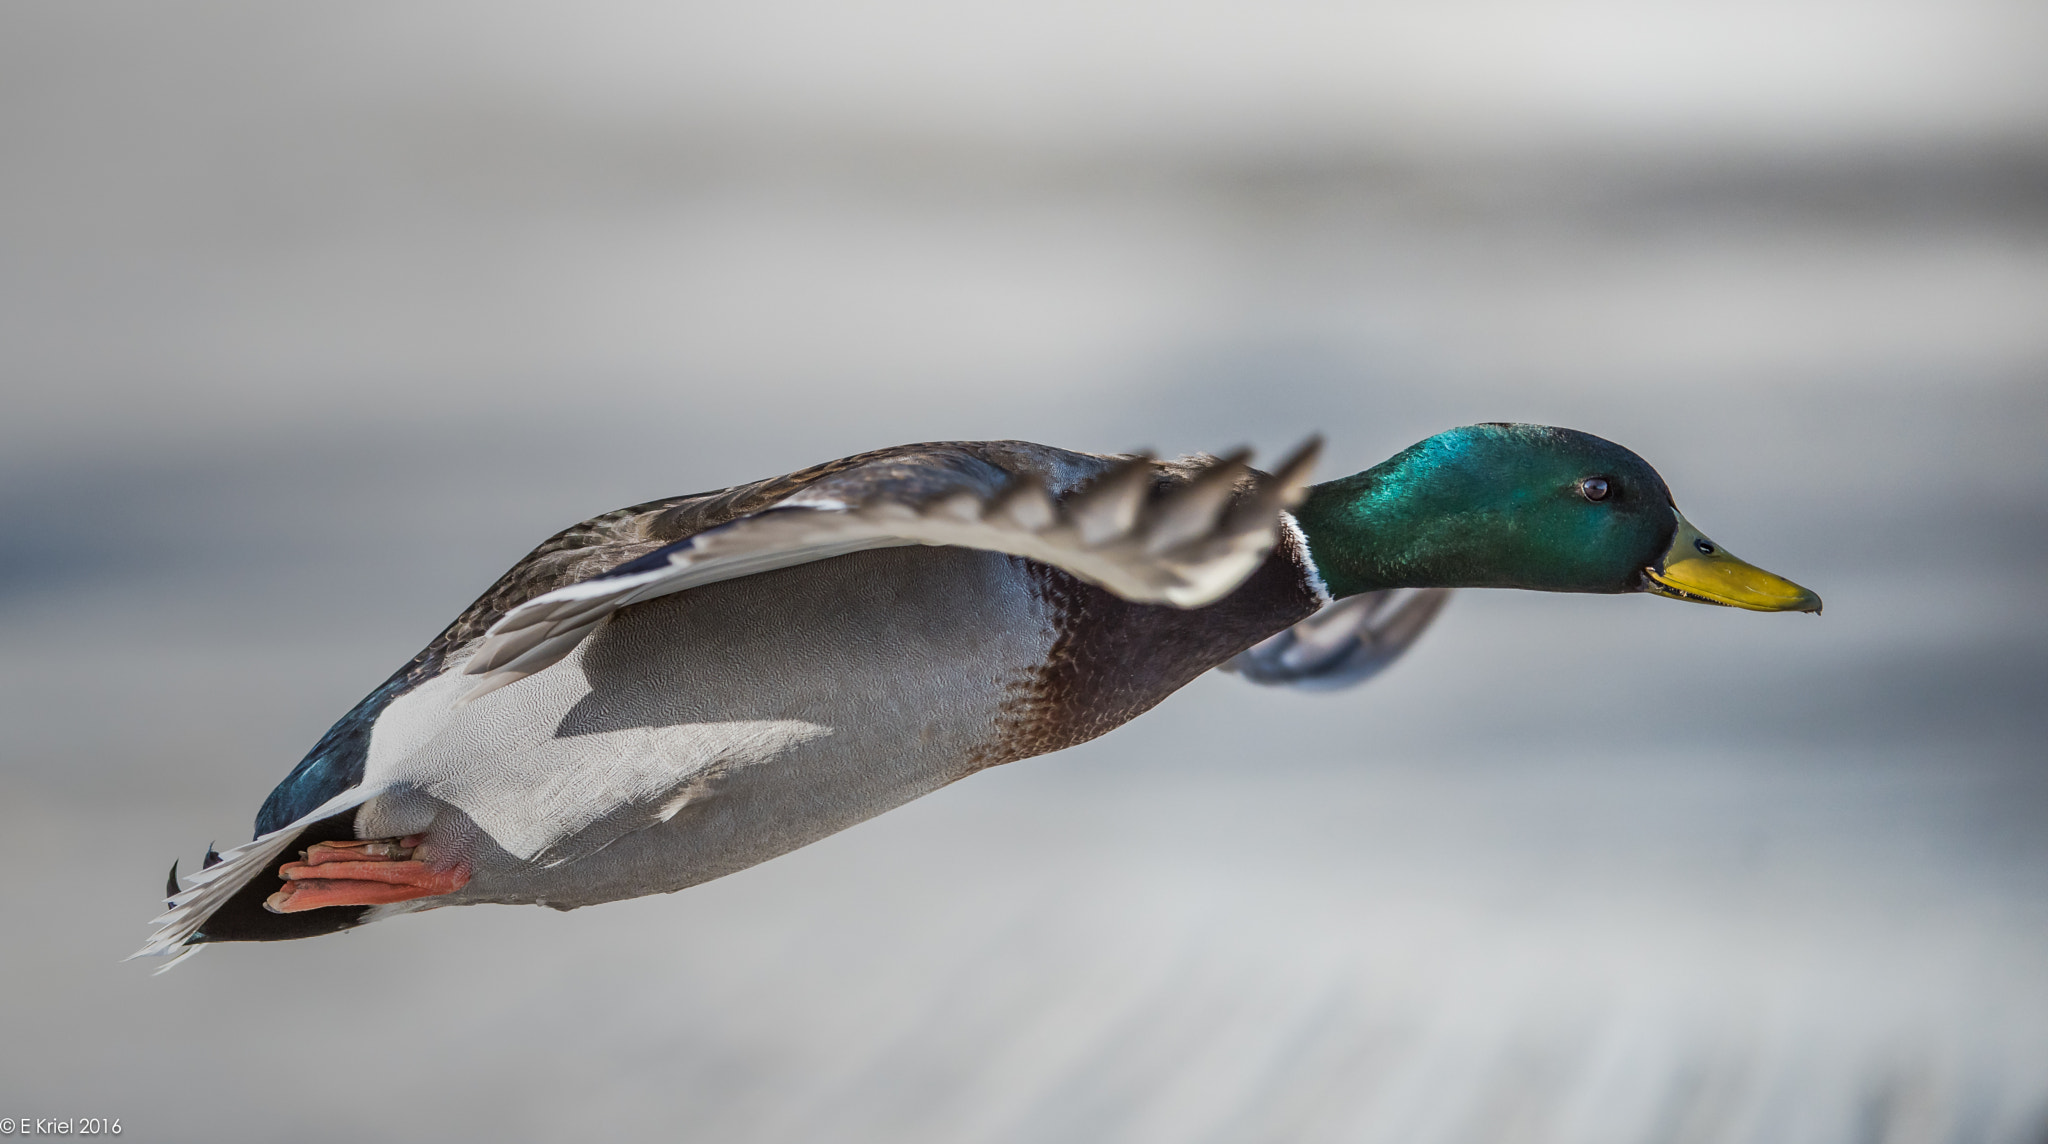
(209, 889)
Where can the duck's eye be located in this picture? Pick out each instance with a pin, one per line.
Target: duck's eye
(1705, 546)
(1594, 488)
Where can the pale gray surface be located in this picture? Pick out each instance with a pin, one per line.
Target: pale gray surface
(311, 321)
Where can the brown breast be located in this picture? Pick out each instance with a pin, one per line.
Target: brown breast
(1112, 660)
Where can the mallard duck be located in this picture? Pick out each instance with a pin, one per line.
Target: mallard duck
(684, 688)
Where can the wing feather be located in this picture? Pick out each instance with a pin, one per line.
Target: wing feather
(1345, 644)
(1185, 537)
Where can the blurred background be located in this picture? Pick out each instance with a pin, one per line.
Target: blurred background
(313, 318)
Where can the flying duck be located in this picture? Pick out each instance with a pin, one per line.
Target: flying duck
(674, 691)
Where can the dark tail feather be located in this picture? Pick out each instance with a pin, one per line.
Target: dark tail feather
(243, 918)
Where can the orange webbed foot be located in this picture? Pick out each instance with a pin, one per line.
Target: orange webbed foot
(362, 872)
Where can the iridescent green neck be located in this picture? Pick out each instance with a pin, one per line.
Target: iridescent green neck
(1371, 531)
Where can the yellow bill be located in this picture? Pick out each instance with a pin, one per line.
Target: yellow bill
(1697, 569)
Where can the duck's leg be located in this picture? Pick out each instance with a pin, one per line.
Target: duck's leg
(364, 872)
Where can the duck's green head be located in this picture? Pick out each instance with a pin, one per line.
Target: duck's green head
(1524, 506)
